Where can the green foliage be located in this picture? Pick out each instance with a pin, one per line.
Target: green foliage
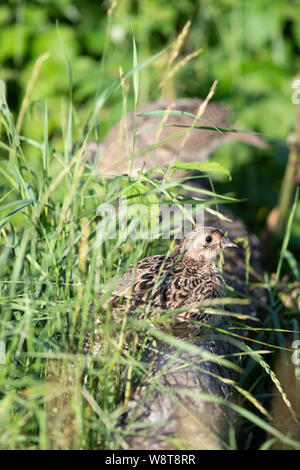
(255, 61)
(53, 260)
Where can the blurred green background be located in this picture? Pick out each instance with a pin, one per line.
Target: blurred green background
(251, 48)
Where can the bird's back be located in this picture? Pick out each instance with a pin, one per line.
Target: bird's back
(169, 283)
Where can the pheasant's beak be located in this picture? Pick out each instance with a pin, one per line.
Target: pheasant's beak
(227, 243)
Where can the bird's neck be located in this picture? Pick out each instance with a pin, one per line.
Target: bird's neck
(200, 262)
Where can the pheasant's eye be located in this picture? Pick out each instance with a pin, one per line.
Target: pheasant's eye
(208, 239)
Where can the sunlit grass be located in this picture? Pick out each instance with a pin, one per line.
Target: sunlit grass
(53, 263)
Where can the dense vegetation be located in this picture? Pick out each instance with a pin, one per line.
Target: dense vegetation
(61, 63)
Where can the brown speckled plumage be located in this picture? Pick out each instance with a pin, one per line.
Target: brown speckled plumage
(184, 279)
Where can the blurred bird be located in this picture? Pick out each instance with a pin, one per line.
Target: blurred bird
(186, 277)
(160, 139)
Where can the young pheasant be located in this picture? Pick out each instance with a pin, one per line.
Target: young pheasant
(184, 279)
(159, 139)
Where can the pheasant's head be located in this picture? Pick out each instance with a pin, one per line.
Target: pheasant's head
(204, 243)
